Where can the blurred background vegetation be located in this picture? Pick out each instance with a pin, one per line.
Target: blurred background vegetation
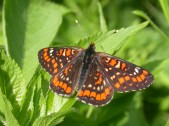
(29, 25)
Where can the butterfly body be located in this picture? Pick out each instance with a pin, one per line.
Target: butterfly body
(88, 58)
(94, 75)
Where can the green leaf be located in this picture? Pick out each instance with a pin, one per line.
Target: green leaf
(135, 114)
(2, 105)
(68, 104)
(27, 110)
(111, 41)
(1, 31)
(103, 26)
(57, 103)
(167, 123)
(161, 66)
(50, 120)
(10, 118)
(37, 99)
(30, 26)
(145, 16)
(12, 82)
(165, 8)
(115, 108)
(52, 102)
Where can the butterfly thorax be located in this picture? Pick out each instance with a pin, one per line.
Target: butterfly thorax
(89, 54)
(87, 60)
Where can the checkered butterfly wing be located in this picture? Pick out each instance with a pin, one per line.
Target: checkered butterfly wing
(60, 62)
(55, 59)
(122, 75)
(96, 89)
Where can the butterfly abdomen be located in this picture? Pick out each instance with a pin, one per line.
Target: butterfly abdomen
(88, 58)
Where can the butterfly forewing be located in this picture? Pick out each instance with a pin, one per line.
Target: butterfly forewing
(96, 89)
(54, 59)
(122, 75)
(60, 62)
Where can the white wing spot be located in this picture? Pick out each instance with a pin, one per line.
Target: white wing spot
(104, 83)
(64, 52)
(101, 87)
(73, 51)
(89, 85)
(61, 65)
(106, 70)
(136, 70)
(51, 50)
(113, 77)
(108, 59)
(118, 65)
(118, 73)
(67, 78)
(61, 76)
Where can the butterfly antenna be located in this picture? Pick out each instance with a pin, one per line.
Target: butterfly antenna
(81, 30)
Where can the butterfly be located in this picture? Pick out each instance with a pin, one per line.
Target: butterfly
(94, 75)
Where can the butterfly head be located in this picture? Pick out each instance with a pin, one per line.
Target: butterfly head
(92, 46)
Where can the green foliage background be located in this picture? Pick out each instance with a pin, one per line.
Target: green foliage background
(29, 25)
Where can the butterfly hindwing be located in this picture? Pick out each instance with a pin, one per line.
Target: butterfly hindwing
(54, 59)
(96, 89)
(64, 82)
(122, 75)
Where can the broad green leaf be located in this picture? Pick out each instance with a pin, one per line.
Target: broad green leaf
(12, 82)
(30, 26)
